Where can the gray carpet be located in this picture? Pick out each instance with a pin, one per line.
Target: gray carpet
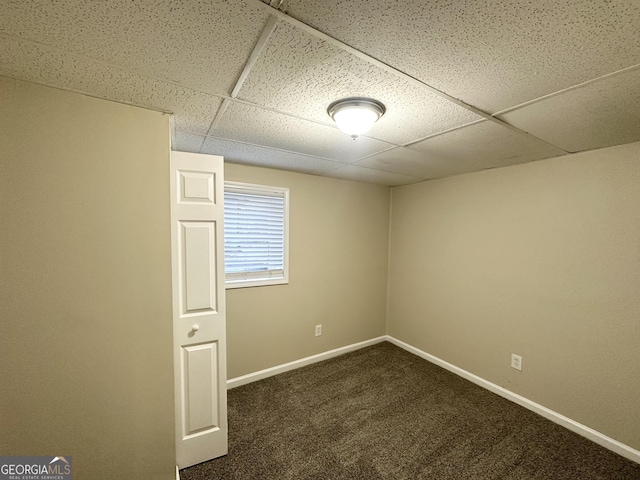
(383, 413)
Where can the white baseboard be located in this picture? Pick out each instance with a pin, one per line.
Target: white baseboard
(587, 432)
(270, 372)
(177, 473)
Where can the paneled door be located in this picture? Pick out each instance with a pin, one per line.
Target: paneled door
(199, 327)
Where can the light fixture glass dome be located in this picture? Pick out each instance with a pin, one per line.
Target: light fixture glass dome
(356, 116)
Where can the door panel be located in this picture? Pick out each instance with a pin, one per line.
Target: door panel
(199, 266)
(200, 374)
(199, 327)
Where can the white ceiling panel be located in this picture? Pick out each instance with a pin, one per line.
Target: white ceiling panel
(203, 45)
(238, 152)
(403, 160)
(193, 110)
(480, 146)
(187, 142)
(490, 54)
(600, 114)
(300, 74)
(254, 125)
(363, 174)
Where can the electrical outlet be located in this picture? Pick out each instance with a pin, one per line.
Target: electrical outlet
(516, 361)
(318, 330)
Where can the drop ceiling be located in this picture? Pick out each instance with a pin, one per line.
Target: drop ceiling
(467, 85)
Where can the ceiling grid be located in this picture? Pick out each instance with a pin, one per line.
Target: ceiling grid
(466, 85)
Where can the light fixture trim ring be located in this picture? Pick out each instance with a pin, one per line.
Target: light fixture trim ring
(373, 105)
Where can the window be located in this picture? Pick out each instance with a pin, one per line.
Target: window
(256, 234)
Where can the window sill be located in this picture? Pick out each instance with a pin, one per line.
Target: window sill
(255, 283)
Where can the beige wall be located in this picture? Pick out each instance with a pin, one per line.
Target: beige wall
(542, 260)
(338, 274)
(86, 339)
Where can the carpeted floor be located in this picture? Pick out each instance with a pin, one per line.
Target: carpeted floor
(383, 413)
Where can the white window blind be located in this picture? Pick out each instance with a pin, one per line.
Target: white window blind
(255, 235)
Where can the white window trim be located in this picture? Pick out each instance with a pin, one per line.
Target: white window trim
(248, 279)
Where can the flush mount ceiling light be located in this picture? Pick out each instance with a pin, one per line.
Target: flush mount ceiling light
(355, 116)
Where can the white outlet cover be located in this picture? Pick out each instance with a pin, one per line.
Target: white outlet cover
(516, 361)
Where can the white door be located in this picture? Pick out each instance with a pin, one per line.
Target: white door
(199, 328)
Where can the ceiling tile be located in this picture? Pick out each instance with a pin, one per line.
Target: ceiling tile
(362, 174)
(490, 54)
(402, 160)
(481, 146)
(302, 75)
(600, 114)
(246, 154)
(246, 123)
(187, 142)
(194, 111)
(202, 45)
